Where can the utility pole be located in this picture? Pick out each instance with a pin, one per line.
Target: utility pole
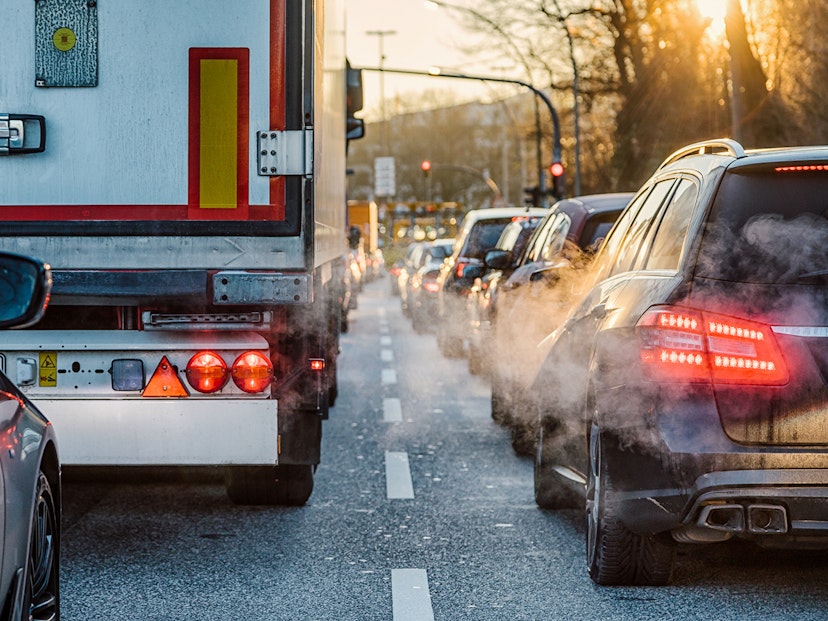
(381, 34)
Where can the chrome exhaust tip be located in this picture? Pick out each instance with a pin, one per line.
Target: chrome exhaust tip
(767, 519)
(729, 518)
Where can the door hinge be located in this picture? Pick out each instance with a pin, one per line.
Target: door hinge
(285, 152)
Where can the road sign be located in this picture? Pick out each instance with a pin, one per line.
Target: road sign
(384, 177)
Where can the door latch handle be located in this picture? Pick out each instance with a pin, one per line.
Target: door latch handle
(22, 133)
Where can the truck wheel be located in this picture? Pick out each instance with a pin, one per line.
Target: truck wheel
(288, 484)
(616, 555)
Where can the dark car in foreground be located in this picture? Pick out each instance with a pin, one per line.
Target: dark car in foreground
(30, 482)
(478, 233)
(537, 292)
(685, 395)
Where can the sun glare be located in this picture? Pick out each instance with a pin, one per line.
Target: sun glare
(714, 10)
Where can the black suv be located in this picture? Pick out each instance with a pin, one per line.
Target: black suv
(686, 394)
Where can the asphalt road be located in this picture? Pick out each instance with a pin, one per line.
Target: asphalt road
(420, 511)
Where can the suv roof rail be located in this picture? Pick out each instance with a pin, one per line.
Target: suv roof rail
(726, 145)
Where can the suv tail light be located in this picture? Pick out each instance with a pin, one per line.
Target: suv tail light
(680, 344)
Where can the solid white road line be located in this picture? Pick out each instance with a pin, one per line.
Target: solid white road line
(391, 410)
(398, 476)
(410, 596)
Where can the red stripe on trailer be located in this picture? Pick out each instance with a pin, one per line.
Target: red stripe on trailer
(277, 97)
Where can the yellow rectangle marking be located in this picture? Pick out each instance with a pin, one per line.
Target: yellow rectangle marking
(218, 134)
(47, 375)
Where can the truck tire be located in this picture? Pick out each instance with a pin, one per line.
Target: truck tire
(287, 484)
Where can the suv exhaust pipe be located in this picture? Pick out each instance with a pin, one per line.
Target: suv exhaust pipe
(729, 518)
(756, 519)
(767, 519)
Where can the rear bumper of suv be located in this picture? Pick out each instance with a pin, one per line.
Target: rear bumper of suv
(782, 503)
(680, 472)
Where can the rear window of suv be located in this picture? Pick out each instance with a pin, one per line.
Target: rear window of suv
(767, 226)
(483, 236)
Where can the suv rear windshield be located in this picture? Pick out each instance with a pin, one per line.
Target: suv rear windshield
(483, 236)
(767, 226)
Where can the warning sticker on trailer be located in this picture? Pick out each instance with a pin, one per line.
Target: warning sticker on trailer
(48, 368)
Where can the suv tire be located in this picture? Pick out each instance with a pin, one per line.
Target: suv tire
(616, 555)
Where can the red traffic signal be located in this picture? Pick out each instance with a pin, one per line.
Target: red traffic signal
(556, 169)
(426, 166)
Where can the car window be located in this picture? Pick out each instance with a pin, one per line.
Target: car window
(509, 236)
(537, 243)
(555, 240)
(767, 226)
(483, 237)
(632, 243)
(596, 229)
(666, 248)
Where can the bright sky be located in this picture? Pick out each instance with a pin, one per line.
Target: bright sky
(424, 37)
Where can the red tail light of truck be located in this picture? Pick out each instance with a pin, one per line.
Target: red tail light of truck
(207, 372)
(252, 372)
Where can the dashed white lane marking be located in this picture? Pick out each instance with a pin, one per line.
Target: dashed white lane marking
(386, 355)
(391, 410)
(389, 376)
(385, 341)
(410, 596)
(397, 476)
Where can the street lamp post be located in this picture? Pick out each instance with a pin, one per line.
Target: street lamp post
(381, 34)
(556, 137)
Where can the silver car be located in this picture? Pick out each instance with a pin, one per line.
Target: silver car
(30, 485)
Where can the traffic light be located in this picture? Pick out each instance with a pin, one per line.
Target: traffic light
(426, 166)
(557, 170)
(533, 196)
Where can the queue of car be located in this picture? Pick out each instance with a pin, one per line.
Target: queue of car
(663, 356)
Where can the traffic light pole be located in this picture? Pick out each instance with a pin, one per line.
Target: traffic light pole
(556, 138)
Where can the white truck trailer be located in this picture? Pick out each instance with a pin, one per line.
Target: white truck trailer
(181, 167)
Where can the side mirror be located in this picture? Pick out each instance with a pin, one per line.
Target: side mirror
(470, 272)
(548, 275)
(25, 286)
(355, 129)
(499, 259)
